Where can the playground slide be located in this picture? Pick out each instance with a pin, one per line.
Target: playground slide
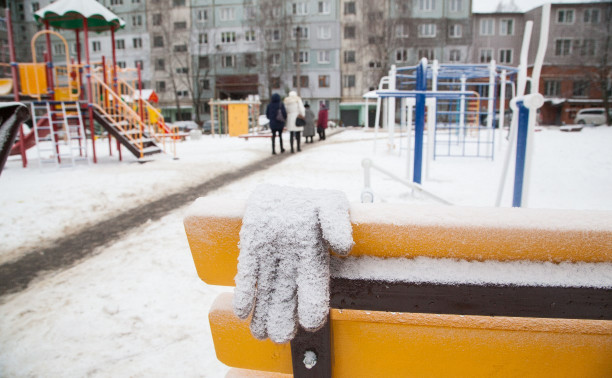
(6, 86)
(29, 140)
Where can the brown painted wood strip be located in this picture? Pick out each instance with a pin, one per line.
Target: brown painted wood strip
(318, 342)
(513, 301)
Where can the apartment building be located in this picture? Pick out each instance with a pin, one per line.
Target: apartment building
(577, 70)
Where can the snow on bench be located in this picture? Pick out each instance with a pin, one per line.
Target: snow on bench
(435, 291)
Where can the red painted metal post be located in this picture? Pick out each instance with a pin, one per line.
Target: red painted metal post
(89, 90)
(78, 50)
(49, 63)
(9, 25)
(114, 62)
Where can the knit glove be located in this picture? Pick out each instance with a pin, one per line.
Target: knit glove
(283, 267)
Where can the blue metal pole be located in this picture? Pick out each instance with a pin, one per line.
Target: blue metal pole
(419, 122)
(521, 149)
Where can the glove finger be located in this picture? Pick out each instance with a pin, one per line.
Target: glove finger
(246, 282)
(334, 218)
(267, 275)
(313, 287)
(282, 317)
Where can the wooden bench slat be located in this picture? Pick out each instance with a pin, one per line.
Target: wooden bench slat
(214, 239)
(393, 344)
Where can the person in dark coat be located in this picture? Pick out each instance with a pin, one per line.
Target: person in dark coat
(309, 128)
(276, 125)
(322, 122)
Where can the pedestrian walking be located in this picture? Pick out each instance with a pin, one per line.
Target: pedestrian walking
(295, 108)
(309, 128)
(322, 121)
(277, 114)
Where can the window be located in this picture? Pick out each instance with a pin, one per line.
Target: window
(454, 56)
(178, 3)
(35, 7)
(277, 12)
(227, 14)
(324, 81)
(375, 40)
(374, 64)
(455, 5)
(250, 60)
(565, 16)
(323, 56)
(563, 47)
(203, 62)
(349, 56)
(487, 26)
(59, 48)
(455, 31)
(581, 88)
(249, 36)
(505, 56)
(96, 46)
(486, 55)
(349, 32)
(303, 81)
(204, 84)
(137, 43)
(158, 41)
(137, 20)
(135, 1)
(427, 30)
(180, 48)
(139, 63)
(160, 65)
(324, 32)
(348, 81)
(587, 47)
(182, 70)
(401, 55)
(323, 7)
(181, 25)
(121, 64)
(303, 57)
(182, 94)
(552, 88)
(591, 16)
(426, 53)
(250, 12)
(349, 7)
(274, 35)
(203, 38)
(228, 61)
(116, 2)
(228, 37)
(401, 31)
(275, 59)
(202, 15)
(302, 31)
(275, 82)
(299, 8)
(157, 19)
(427, 5)
(506, 27)
(120, 44)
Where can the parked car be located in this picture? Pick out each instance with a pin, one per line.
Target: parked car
(207, 127)
(591, 116)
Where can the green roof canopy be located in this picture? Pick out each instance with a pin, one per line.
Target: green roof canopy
(69, 14)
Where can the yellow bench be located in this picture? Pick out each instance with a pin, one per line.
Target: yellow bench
(379, 328)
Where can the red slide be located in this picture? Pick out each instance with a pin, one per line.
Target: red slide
(29, 139)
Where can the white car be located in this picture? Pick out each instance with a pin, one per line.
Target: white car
(591, 116)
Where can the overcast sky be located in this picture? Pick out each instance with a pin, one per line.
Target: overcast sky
(524, 5)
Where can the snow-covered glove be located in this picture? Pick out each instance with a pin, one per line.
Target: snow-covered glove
(283, 267)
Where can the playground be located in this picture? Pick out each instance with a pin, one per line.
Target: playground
(118, 312)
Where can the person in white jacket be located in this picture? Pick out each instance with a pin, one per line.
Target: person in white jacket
(295, 107)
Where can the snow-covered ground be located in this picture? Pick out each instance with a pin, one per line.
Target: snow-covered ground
(137, 308)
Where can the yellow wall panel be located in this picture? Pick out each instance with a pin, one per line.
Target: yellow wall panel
(238, 119)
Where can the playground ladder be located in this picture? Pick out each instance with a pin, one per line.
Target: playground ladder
(63, 130)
